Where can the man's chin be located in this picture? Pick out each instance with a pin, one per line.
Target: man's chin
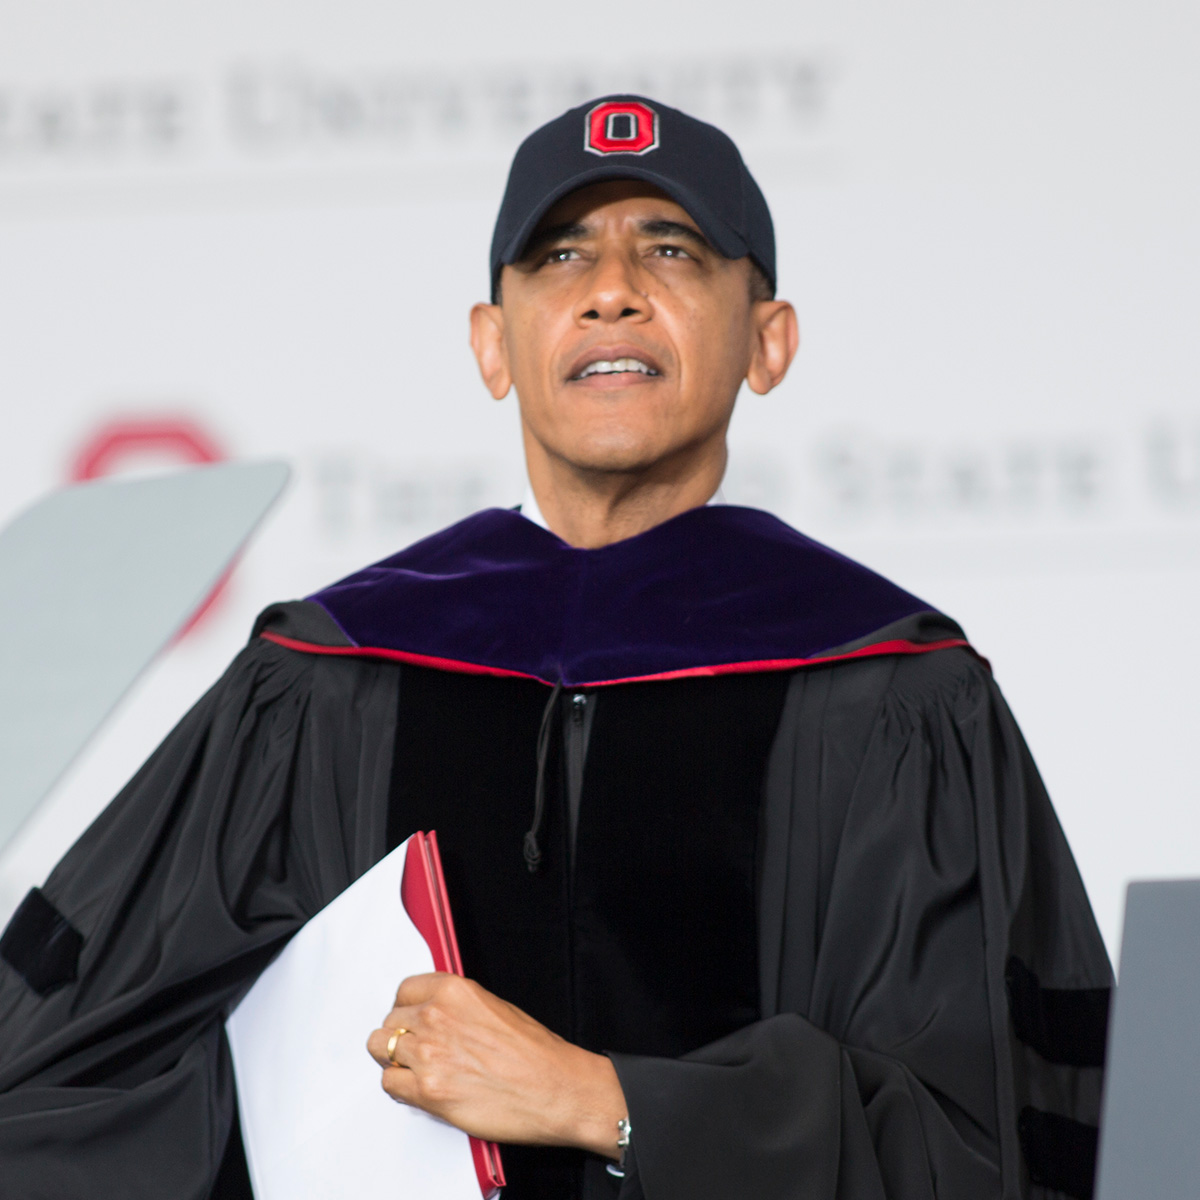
(613, 460)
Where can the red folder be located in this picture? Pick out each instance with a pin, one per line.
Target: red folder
(423, 894)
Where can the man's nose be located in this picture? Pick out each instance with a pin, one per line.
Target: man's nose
(612, 292)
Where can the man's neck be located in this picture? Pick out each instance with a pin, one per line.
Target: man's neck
(590, 518)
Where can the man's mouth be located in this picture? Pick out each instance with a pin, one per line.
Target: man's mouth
(615, 366)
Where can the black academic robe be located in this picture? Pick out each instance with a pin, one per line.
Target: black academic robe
(931, 983)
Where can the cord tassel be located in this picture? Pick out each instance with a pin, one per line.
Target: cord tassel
(532, 850)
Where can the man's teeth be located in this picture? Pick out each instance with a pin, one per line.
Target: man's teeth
(615, 366)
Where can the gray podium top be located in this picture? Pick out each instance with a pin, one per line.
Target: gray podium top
(95, 581)
(1150, 1131)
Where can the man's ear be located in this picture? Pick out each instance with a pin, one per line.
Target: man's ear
(776, 340)
(487, 340)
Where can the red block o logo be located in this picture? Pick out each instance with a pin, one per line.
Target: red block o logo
(621, 127)
(119, 443)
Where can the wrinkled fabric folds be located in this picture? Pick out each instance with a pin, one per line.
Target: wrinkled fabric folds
(909, 846)
(266, 801)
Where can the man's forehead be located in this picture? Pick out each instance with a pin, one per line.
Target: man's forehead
(585, 210)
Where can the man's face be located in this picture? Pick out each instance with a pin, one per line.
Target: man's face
(626, 335)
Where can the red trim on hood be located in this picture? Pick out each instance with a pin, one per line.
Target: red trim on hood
(878, 649)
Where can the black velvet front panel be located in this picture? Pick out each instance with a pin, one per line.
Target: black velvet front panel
(650, 945)
(666, 954)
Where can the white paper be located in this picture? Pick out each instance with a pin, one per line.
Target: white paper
(315, 1121)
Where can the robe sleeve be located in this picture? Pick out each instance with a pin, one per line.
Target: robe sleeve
(911, 858)
(265, 802)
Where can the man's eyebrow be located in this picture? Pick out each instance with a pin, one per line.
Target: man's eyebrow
(661, 227)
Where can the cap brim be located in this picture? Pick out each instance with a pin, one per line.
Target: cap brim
(723, 237)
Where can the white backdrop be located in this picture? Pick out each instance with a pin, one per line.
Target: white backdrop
(265, 222)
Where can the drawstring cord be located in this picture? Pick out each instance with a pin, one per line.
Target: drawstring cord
(533, 852)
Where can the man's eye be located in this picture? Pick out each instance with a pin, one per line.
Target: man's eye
(671, 252)
(564, 254)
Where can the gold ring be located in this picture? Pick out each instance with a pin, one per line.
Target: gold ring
(391, 1046)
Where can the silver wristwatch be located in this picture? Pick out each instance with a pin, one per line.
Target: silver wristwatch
(624, 1133)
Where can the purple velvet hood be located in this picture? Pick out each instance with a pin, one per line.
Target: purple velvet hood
(715, 590)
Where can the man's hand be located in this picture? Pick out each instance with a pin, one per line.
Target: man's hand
(485, 1066)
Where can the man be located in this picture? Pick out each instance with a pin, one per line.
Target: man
(756, 884)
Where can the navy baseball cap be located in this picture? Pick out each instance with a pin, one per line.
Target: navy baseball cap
(630, 137)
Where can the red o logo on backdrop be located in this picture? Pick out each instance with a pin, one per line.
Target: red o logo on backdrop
(121, 444)
(621, 127)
